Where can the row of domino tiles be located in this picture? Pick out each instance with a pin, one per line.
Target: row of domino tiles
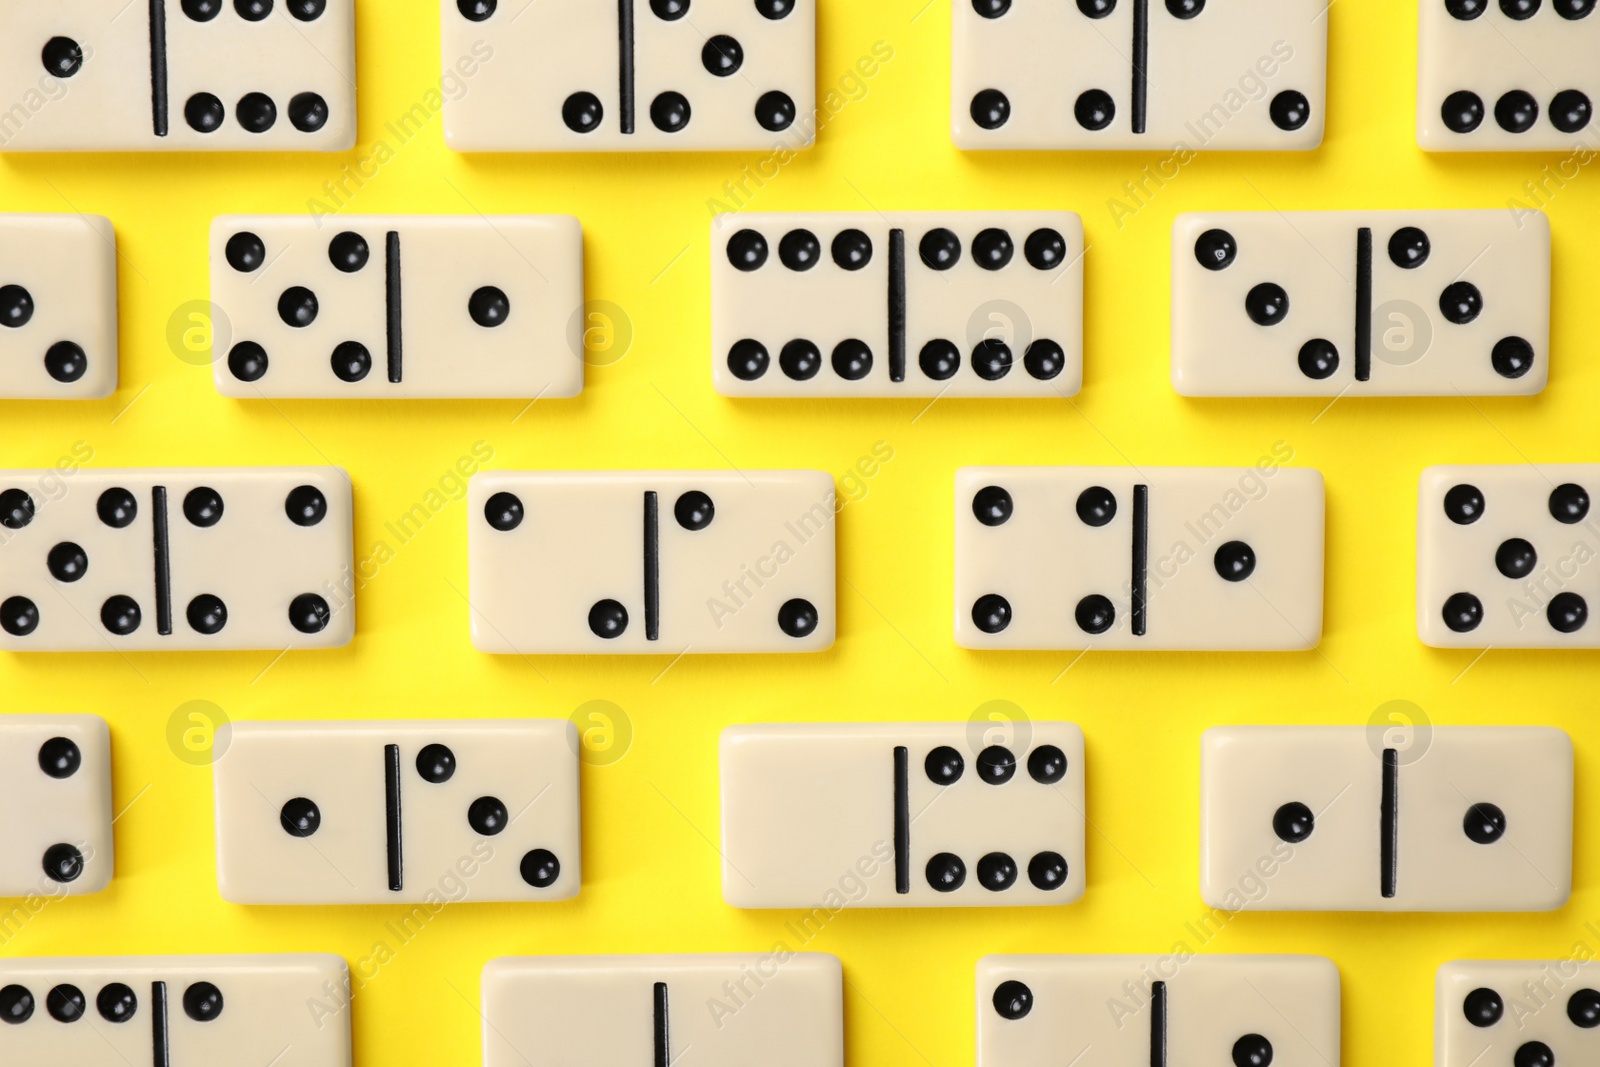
(808, 305)
(782, 1008)
(741, 74)
(1293, 818)
(678, 562)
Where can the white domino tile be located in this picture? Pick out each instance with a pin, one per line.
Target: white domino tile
(1158, 1011)
(1142, 75)
(1351, 818)
(176, 1011)
(1512, 76)
(398, 306)
(1508, 556)
(779, 1009)
(412, 811)
(58, 307)
(178, 76)
(1187, 558)
(1361, 303)
(663, 562)
(894, 815)
(1516, 1013)
(55, 805)
(898, 304)
(180, 559)
(636, 76)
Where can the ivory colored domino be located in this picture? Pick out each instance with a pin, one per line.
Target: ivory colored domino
(1156, 1011)
(374, 812)
(895, 815)
(664, 562)
(1509, 556)
(1139, 75)
(58, 306)
(1183, 558)
(1361, 303)
(178, 559)
(1509, 1013)
(159, 75)
(398, 306)
(176, 1011)
(909, 303)
(1344, 818)
(1507, 77)
(728, 1010)
(574, 76)
(55, 805)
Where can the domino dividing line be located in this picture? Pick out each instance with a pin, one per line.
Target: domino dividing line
(625, 57)
(897, 305)
(1389, 815)
(163, 550)
(161, 1051)
(663, 1046)
(1158, 1024)
(1363, 304)
(1141, 56)
(1141, 557)
(391, 811)
(391, 303)
(158, 66)
(652, 566)
(902, 819)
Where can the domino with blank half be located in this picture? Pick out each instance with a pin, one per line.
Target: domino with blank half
(895, 815)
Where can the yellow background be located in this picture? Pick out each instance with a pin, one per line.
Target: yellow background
(651, 876)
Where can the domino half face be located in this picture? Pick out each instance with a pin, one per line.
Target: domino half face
(1508, 556)
(58, 307)
(1139, 74)
(630, 75)
(1342, 818)
(665, 562)
(1126, 558)
(1507, 75)
(179, 75)
(779, 1010)
(914, 303)
(373, 812)
(1517, 1013)
(175, 560)
(1157, 1011)
(55, 805)
(901, 815)
(1364, 303)
(398, 306)
(176, 1011)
